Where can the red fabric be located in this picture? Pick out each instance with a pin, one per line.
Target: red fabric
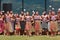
(37, 26)
(28, 26)
(17, 29)
(1, 26)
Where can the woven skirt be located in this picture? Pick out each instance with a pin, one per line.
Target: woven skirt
(53, 26)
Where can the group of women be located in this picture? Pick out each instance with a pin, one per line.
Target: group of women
(10, 22)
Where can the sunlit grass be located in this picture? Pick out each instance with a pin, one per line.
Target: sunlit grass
(29, 37)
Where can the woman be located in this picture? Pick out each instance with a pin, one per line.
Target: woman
(7, 24)
(45, 22)
(37, 23)
(53, 23)
(17, 25)
(33, 13)
(28, 25)
(22, 22)
(58, 20)
(12, 21)
(49, 15)
(1, 24)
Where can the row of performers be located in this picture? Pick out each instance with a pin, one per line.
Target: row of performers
(10, 22)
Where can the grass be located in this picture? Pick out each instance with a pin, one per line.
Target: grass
(29, 38)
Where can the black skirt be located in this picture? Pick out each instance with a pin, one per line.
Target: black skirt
(22, 24)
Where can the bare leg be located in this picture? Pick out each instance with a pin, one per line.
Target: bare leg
(29, 33)
(19, 32)
(15, 32)
(47, 33)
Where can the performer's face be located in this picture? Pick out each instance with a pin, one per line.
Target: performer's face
(53, 13)
(16, 14)
(7, 12)
(27, 13)
(37, 13)
(11, 12)
(59, 13)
